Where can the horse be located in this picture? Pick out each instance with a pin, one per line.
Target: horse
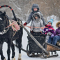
(9, 32)
(5, 34)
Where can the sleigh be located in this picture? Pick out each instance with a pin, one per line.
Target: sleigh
(33, 50)
(32, 47)
(37, 47)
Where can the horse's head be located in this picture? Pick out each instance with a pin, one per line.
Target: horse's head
(3, 21)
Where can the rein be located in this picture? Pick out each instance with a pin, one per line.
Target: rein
(32, 27)
(10, 24)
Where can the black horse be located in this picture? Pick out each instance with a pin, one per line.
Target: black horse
(6, 35)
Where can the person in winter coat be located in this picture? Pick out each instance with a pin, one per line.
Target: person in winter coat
(56, 34)
(35, 11)
(36, 24)
(49, 30)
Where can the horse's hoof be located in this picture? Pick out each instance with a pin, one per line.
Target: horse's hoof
(19, 58)
(4, 58)
(13, 58)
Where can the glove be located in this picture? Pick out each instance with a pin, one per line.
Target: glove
(52, 35)
(25, 24)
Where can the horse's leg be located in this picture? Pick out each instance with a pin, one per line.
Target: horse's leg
(8, 50)
(19, 46)
(13, 51)
(19, 41)
(1, 52)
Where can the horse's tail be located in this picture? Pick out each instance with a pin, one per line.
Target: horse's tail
(11, 10)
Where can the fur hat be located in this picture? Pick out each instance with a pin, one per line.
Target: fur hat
(36, 14)
(57, 24)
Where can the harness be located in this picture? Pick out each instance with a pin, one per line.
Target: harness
(3, 32)
(11, 24)
(10, 9)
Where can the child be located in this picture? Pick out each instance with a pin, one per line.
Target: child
(49, 30)
(56, 34)
(36, 24)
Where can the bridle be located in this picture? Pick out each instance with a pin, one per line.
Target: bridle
(4, 31)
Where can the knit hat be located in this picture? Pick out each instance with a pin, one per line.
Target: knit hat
(51, 20)
(57, 24)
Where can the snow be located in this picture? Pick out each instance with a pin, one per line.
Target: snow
(24, 44)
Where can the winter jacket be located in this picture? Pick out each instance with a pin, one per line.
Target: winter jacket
(31, 14)
(36, 23)
(57, 32)
(49, 29)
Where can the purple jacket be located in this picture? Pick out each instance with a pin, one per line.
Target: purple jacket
(57, 32)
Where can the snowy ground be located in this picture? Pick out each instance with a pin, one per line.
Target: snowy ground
(24, 44)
